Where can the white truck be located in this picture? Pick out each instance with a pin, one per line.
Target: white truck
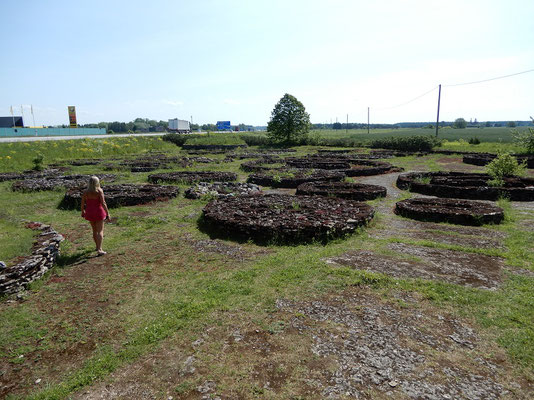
(179, 126)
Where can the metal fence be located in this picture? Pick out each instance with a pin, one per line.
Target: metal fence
(20, 132)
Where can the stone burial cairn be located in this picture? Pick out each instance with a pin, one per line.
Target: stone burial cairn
(55, 182)
(125, 194)
(221, 189)
(280, 219)
(461, 185)
(454, 211)
(43, 256)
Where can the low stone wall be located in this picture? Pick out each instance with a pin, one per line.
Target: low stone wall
(462, 185)
(44, 253)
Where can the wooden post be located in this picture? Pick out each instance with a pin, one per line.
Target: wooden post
(437, 119)
(367, 119)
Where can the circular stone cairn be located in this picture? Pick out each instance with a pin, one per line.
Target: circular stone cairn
(15, 176)
(192, 176)
(54, 182)
(482, 159)
(123, 195)
(349, 165)
(462, 185)
(369, 167)
(221, 189)
(318, 163)
(454, 211)
(344, 190)
(292, 178)
(263, 164)
(282, 218)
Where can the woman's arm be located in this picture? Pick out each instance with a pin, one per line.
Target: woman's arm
(83, 204)
(103, 201)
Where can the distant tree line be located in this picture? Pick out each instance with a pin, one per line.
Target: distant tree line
(140, 125)
(458, 123)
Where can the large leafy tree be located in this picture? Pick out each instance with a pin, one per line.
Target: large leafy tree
(289, 120)
(459, 123)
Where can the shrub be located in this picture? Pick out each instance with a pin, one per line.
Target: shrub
(525, 139)
(474, 140)
(38, 162)
(408, 143)
(255, 139)
(504, 165)
(177, 139)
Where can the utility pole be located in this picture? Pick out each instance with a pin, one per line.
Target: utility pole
(437, 120)
(347, 126)
(368, 120)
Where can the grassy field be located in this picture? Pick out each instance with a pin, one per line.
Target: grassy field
(498, 135)
(165, 285)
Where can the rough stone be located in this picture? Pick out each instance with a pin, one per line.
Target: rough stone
(292, 178)
(454, 211)
(466, 186)
(466, 269)
(123, 195)
(221, 189)
(285, 218)
(192, 176)
(45, 250)
(345, 190)
(55, 182)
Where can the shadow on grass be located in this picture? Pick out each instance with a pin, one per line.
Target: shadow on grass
(79, 257)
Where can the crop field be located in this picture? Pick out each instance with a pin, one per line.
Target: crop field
(398, 309)
(500, 135)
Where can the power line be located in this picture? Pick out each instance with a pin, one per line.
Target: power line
(409, 101)
(490, 79)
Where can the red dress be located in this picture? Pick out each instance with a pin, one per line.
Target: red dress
(94, 210)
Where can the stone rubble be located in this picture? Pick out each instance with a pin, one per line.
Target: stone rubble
(44, 253)
(220, 189)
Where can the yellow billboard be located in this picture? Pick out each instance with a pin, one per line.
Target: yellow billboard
(72, 117)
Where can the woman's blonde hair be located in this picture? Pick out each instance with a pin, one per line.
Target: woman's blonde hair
(94, 184)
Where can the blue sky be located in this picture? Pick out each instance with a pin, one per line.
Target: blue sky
(233, 60)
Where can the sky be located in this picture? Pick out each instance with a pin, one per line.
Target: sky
(209, 60)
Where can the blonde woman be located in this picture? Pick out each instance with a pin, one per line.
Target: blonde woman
(95, 210)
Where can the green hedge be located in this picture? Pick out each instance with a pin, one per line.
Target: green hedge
(409, 143)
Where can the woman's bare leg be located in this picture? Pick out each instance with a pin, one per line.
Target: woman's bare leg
(98, 234)
(93, 226)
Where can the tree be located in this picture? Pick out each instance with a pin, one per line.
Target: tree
(459, 123)
(337, 125)
(525, 138)
(511, 124)
(289, 121)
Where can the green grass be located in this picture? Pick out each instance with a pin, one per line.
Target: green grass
(19, 155)
(158, 286)
(216, 139)
(16, 240)
(494, 135)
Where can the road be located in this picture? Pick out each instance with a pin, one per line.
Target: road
(37, 138)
